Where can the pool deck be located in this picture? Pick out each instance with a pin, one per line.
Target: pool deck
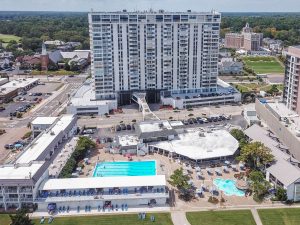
(166, 166)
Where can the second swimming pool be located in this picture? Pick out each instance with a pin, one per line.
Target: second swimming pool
(228, 187)
(116, 169)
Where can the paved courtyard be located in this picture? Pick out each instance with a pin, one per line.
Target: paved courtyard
(166, 166)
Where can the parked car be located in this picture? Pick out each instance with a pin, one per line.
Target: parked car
(13, 114)
(118, 128)
(185, 122)
(128, 127)
(2, 108)
(123, 127)
(133, 126)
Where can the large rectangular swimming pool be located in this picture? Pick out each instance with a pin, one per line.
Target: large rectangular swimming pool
(117, 169)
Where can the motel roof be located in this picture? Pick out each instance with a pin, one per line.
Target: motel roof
(103, 182)
(39, 145)
(199, 145)
(282, 169)
(44, 120)
(25, 171)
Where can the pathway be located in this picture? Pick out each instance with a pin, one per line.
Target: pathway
(256, 216)
(179, 218)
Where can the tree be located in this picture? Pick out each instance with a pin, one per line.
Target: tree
(240, 136)
(179, 180)
(255, 154)
(20, 218)
(258, 185)
(67, 66)
(274, 90)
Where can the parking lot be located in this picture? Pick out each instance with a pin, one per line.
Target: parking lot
(106, 134)
(26, 100)
(47, 87)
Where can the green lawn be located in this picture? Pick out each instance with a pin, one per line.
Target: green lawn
(245, 87)
(4, 219)
(126, 219)
(60, 72)
(234, 217)
(280, 216)
(6, 38)
(261, 66)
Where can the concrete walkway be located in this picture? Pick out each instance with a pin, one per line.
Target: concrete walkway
(256, 216)
(179, 218)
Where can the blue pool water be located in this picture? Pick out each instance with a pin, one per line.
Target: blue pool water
(228, 187)
(116, 169)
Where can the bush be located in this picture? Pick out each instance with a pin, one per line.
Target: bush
(213, 200)
(27, 135)
(19, 115)
(281, 194)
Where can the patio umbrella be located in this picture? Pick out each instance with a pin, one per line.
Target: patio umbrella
(185, 172)
(198, 169)
(233, 166)
(227, 162)
(199, 174)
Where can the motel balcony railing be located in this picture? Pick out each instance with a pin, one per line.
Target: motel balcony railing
(103, 197)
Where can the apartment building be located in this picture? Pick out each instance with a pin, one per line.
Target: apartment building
(282, 122)
(291, 80)
(234, 40)
(247, 39)
(20, 180)
(153, 51)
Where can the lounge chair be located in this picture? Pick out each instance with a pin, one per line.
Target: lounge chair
(152, 218)
(42, 220)
(50, 220)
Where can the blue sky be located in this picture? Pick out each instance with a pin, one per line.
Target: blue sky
(170, 5)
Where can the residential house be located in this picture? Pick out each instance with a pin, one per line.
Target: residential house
(230, 67)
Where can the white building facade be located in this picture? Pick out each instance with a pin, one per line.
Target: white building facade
(144, 51)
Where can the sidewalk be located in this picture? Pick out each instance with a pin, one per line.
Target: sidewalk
(256, 216)
(179, 218)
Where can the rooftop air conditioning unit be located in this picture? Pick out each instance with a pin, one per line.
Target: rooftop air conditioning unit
(52, 133)
(298, 133)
